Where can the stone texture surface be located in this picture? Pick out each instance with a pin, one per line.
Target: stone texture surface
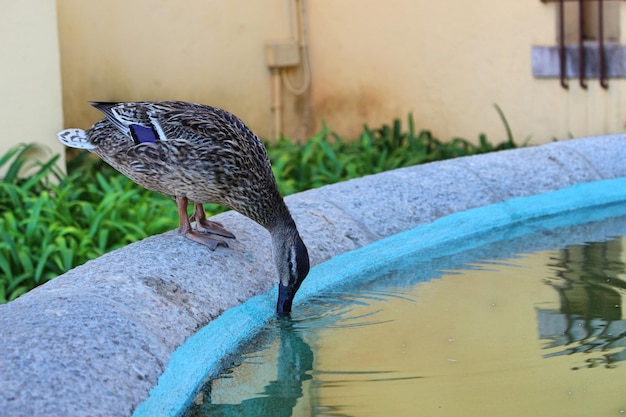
(95, 340)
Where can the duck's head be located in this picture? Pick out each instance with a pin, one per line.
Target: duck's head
(292, 262)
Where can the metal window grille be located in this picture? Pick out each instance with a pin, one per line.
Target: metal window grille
(584, 8)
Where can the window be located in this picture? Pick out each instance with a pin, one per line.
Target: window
(590, 26)
(587, 36)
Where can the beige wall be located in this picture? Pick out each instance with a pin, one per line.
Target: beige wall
(448, 63)
(196, 50)
(372, 61)
(30, 79)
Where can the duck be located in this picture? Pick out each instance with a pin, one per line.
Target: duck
(199, 154)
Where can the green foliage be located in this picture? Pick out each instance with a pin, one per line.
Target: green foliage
(326, 158)
(51, 222)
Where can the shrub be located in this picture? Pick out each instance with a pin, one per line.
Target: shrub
(50, 222)
(326, 158)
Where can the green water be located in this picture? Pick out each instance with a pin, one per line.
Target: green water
(538, 329)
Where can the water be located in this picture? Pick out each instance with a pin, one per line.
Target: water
(526, 332)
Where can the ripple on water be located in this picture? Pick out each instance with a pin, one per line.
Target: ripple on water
(345, 309)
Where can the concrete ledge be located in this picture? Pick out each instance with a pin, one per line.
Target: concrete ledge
(95, 340)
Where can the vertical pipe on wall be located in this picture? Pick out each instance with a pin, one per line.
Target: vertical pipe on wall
(300, 33)
(277, 104)
(281, 67)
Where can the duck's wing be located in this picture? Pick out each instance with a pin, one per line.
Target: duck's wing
(132, 119)
(208, 128)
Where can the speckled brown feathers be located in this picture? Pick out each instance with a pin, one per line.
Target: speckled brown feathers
(209, 156)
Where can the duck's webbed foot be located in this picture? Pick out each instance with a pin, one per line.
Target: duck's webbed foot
(203, 239)
(200, 236)
(204, 225)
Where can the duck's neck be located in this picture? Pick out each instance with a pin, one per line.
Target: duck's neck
(285, 242)
(278, 218)
(281, 223)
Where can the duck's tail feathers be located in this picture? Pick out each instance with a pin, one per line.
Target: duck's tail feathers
(75, 138)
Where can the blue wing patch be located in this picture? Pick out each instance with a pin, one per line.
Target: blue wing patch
(142, 134)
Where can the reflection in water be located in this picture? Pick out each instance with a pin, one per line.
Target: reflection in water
(295, 361)
(587, 279)
(465, 343)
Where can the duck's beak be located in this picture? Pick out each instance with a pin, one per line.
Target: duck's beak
(285, 299)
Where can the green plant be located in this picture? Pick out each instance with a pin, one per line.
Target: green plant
(50, 223)
(327, 158)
